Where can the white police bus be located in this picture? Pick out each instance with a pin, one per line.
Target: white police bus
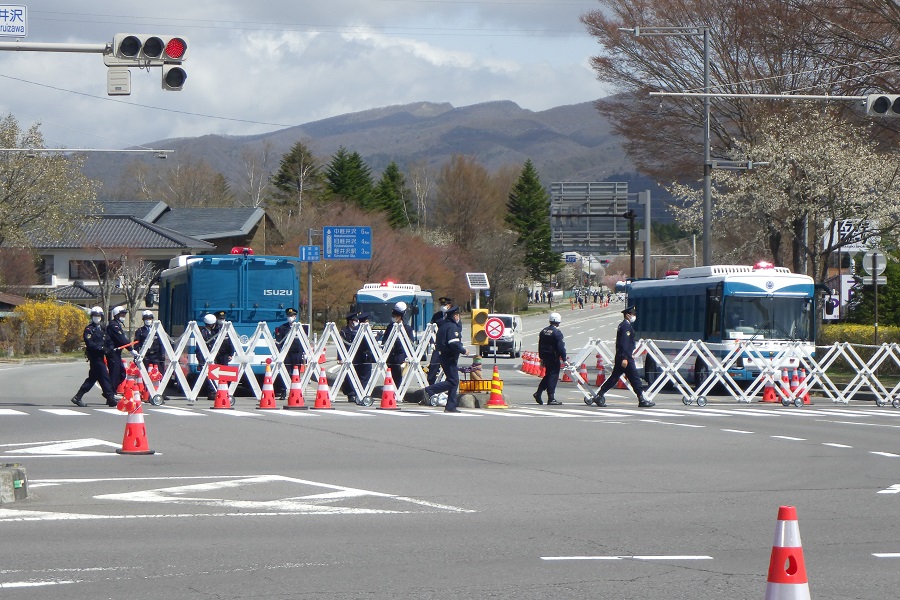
(764, 305)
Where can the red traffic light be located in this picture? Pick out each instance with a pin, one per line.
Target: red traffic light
(175, 48)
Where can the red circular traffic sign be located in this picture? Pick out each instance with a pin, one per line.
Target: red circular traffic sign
(494, 328)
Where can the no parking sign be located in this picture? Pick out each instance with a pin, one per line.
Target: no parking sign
(494, 328)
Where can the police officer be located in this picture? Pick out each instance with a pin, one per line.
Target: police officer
(449, 346)
(96, 344)
(437, 318)
(295, 355)
(347, 333)
(208, 333)
(397, 355)
(551, 350)
(226, 350)
(624, 362)
(153, 354)
(364, 357)
(115, 331)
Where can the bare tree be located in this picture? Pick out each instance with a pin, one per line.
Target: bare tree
(422, 181)
(256, 173)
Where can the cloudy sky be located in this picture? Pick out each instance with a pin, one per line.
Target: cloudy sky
(260, 66)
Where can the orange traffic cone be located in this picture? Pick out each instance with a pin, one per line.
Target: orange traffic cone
(787, 570)
(582, 372)
(769, 394)
(795, 384)
(135, 440)
(388, 394)
(496, 398)
(267, 400)
(601, 374)
(120, 389)
(223, 400)
(785, 384)
(803, 389)
(565, 376)
(323, 396)
(295, 397)
(322, 357)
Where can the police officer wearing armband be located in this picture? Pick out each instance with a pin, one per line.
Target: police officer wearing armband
(96, 344)
(115, 331)
(295, 356)
(153, 353)
(437, 319)
(347, 333)
(624, 362)
(551, 350)
(449, 347)
(397, 355)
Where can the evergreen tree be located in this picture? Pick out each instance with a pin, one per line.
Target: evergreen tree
(349, 177)
(392, 197)
(298, 174)
(529, 214)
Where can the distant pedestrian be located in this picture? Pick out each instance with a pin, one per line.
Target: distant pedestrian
(624, 362)
(295, 357)
(449, 346)
(96, 344)
(551, 351)
(438, 318)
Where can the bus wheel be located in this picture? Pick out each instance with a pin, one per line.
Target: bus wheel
(701, 400)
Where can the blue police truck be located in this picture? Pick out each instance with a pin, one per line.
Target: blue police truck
(248, 288)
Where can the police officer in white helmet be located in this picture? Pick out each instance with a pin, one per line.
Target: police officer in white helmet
(552, 351)
(96, 344)
(397, 354)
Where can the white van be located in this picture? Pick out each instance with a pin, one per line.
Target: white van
(511, 341)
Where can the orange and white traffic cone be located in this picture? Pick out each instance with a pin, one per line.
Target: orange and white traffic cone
(769, 394)
(795, 384)
(496, 398)
(135, 440)
(582, 372)
(804, 390)
(322, 357)
(565, 376)
(120, 389)
(323, 396)
(267, 399)
(601, 374)
(785, 384)
(787, 570)
(223, 400)
(295, 397)
(388, 394)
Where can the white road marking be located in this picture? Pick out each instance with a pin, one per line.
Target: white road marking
(660, 557)
(22, 584)
(64, 412)
(888, 454)
(176, 412)
(676, 424)
(886, 554)
(835, 445)
(787, 437)
(894, 489)
(8, 412)
(61, 449)
(736, 431)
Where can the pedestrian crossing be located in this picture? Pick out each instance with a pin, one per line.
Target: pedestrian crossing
(613, 412)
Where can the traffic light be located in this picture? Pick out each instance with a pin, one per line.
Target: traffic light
(479, 318)
(141, 48)
(883, 105)
(173, 77)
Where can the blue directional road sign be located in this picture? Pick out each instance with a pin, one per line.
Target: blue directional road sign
(310, 254)
(348, 243)
(571, 258)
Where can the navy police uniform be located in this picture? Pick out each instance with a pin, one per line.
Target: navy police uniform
(295, 356)
(153, 354)
(449, 346)
(347, 333)
(624, 363)
(96, 344)
(437, 318)
(551, 350)
(397, 355)
(117, 339)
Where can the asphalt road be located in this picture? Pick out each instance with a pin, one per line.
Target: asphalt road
(528, 502)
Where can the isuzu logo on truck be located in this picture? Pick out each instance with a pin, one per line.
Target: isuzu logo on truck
(278, 293)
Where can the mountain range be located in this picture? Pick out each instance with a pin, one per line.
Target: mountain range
(565, 143)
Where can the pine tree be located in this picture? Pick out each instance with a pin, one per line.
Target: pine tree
(349, 177)
(529, 215)
(392, 197)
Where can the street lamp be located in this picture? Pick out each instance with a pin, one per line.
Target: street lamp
(707, 164)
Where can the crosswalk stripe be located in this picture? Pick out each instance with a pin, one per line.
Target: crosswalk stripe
(175, 412)
(64, 412)
(8, 412)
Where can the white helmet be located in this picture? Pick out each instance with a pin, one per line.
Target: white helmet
(96, 310)
(119, 309)
(209, 319)
(147, 313)
(555, 318)
(400, 307)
